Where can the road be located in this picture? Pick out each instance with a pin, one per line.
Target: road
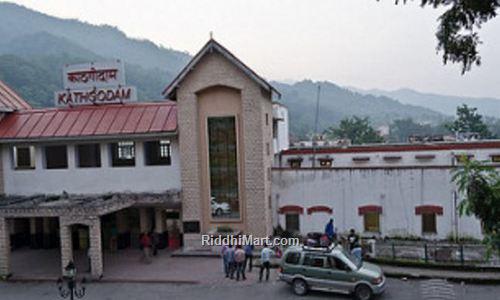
(397, 289)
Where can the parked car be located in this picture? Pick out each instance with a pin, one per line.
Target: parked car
(330, 269)
(219, 209)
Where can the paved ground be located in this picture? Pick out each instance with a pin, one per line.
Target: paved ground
(126, 265)
(426, 273)
(397, 290)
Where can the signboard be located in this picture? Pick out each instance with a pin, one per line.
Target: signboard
(97, 74)
(95, 83)
(106, 95)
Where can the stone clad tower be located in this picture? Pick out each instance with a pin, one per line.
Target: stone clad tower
(225, 136)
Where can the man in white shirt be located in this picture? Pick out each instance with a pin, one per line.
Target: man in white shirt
(265, 261)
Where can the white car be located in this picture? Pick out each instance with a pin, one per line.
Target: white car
(219, 209)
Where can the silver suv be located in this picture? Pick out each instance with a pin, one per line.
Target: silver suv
(330, 269)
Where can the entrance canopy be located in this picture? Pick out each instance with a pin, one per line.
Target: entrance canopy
(82, 205)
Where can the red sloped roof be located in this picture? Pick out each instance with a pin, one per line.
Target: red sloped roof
(90, 120)
(10, 100)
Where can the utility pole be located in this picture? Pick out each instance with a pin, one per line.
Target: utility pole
(314, 139)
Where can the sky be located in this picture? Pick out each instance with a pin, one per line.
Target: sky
(361, 43)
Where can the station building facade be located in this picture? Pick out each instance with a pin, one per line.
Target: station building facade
(95, 177)
(212, 155)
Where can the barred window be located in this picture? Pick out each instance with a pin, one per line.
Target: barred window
(157, 152)
(123, 154)
(24, 157)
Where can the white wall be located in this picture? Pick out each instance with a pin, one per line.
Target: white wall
(282, 141)
(398, 191)
(442, 158)
(74, 180)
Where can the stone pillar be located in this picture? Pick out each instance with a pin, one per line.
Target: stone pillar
(159, 221)
(47, 243)
(66, 244)
(4, 248)
(33, 234)
(144, 220)
(122, 227)
(96, 264)
(160, 228)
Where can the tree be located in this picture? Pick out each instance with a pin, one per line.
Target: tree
(480, 186)
(457, 31)
(469, 121)
(401, 129)
(357, 129)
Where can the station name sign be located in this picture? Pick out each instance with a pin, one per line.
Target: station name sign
(96, 96)
(95, 83)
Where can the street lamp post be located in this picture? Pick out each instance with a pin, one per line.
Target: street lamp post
(71, 289)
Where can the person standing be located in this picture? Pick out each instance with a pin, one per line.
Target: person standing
(225, 266)
(330, 230)
(229, 257)
(265, 261)
(146, 247)
(354, 245)
(155, 239)
(248, 257)
(239, 259)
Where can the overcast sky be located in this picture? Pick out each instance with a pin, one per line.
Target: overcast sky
(361, 43)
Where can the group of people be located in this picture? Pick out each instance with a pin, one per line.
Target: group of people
(236, 259)
(149, 244)
(240, 258)
(353, 242)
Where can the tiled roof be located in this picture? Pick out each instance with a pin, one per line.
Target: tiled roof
(90, 121)
(10, 101)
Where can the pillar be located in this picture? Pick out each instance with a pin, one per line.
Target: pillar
(160, 228)
(96, 264)
(159, 221)
(66, 244)
(144, 220)
(122, 227)
(47, 243)
(33, 234)
(4, 248)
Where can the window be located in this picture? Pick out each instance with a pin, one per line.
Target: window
(88, 155)
(463, 158)
(372, 221)
(24, 157)
(123, 154)
(360, 158)
(268, 149)
(336, 263)
(292, 258)
(275, 129)
(292, 222)
(495, 158)
(267, 119)
(314, 261)
(56, 157)
(157, 152)
(223, 167)
(325, 162)
(429, 223)
(295, 163)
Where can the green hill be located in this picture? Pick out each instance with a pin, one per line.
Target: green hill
(337, 103)
(35, 46)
